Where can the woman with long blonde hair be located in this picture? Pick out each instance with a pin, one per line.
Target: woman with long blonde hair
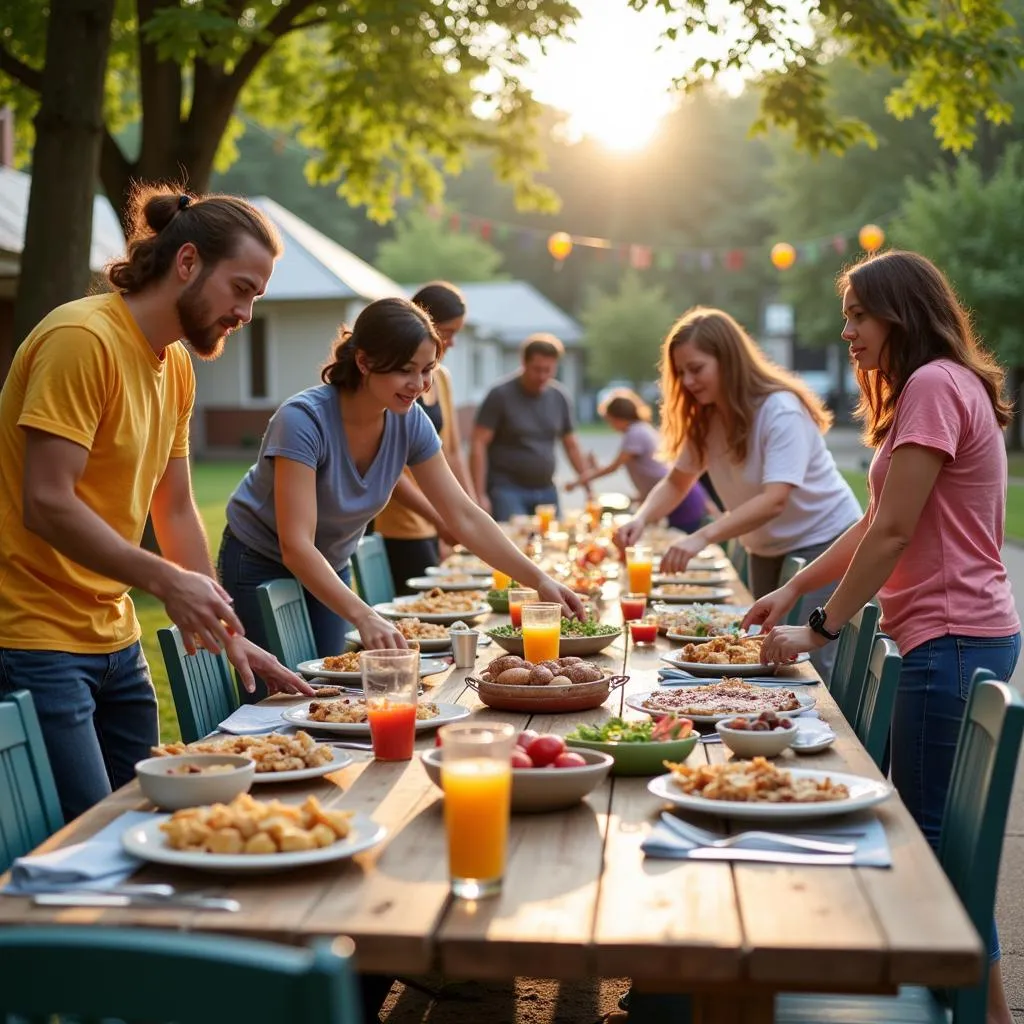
(756, 429)
(929, 545)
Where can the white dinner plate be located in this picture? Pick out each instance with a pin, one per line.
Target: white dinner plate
(429, 582)
(636, 702)
(299, 715)
(698, 668)
(709, 563)
(707, 594)
(863, 793)
(149, 843)
(315, 670)
(715, 577)
(398, 609)
(340, 760)
(429, 645)
(461, 563)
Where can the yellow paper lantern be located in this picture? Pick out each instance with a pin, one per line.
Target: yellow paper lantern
(783, 255)
(871, 238)
(560, 245)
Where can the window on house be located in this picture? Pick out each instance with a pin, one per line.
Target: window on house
(258, 387)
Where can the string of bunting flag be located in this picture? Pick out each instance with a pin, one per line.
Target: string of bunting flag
(562, 244)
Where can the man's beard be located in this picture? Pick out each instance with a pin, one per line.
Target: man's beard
(206, 340)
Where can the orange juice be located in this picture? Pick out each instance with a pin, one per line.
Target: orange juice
(477, 797)
(540, 643)
(501, 581)
(639, 577)
(595, 510)
(545, 517)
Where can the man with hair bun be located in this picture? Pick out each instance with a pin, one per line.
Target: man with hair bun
(517, 425)
(94, 420)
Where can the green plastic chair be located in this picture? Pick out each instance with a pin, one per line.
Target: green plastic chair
(134, 974)
(791, 565)
(372, 570)
(970, 849)
(873, 717)
(850, 671)
(737, 554)
(29, 809)
(202, 686)
(286, 622)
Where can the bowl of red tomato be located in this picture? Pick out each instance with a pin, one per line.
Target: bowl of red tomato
(546, 774)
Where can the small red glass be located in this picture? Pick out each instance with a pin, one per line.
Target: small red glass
(633, 606)
(644, 633)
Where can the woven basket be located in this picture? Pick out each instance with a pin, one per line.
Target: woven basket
(550, 699)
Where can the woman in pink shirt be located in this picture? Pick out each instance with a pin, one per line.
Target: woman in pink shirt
(928, 546)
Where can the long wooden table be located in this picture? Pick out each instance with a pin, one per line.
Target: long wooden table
(579, 899)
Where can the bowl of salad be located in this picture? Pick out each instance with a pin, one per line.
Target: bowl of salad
(576, 638)
(638, 747)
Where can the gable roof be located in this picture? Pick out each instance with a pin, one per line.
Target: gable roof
(314, 266)
(511, 310)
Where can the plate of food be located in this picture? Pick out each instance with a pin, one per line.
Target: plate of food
(686, 593)
(715, 702)
(712, 562)
(726, 656)
(758, 790)
(348, 715)
(699, 622)
(576, 637)
(278, 758)
(280, 836)
(345, 667)
(431, 636)
(460, 561)
(438, 606)
(699, 577)
(446, 581)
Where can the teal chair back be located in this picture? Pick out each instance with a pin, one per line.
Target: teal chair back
(29, 808)
(738, 556)
(135, 974)
(791, 565)
(873, 718)
(373, 570)
(202, 686)
(977, 804)
(286, 622)
(850, 671)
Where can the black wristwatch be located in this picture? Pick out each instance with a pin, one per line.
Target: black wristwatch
(817, 623)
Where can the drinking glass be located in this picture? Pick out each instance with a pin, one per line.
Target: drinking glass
(542, 625)
(545, 517)
(633, 606)
(644, 632)
(517, 597)
(476, 776)
(501, 580)
(391, 683)
(639, 566)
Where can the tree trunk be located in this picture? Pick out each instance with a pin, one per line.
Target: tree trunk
(69, 126)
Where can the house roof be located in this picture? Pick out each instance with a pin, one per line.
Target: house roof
(512, 310)
(316, 267)
(107, 239)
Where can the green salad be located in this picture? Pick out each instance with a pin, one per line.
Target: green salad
(570, 627)
(615, 730)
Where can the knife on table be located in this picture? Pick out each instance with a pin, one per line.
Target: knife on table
(189, 901)
(770, 856)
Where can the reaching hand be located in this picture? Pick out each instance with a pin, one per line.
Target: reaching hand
(484, 502)
(377, 633)
(571, 602)
(678, 556)
(573, 484)
(201, 609)
(784, 643)
(629, 533)
(250, 661)
(771, 609)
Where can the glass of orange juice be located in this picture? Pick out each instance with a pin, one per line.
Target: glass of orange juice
(391, 683)
(595, 509)
(542, 624)
(545, 517)
(639, 566)
(517, 597)
(501, 580)
(476, 776)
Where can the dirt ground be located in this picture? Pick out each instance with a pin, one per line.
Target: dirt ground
(527, 1001)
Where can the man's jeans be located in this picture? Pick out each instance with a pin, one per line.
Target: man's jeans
(508, 500)
(98, 714)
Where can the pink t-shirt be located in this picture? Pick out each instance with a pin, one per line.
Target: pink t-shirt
(950, 579)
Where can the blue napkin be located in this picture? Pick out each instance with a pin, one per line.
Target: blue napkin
(95, 863)
(251, 719)
(867, 834)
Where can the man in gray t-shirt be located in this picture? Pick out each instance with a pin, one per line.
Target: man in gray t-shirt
(517, 425)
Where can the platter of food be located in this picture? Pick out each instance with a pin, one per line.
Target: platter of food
(438, 606)
(714, 702)
(430, 636)
(448, 581)
(345, 667)
(576, 637)
(726, 656)
(698, 622)
(348, 715)
(698, 577)
(686, 593)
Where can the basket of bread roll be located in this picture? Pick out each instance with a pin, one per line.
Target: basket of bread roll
(511, 683)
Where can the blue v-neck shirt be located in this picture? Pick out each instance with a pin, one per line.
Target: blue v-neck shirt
(308, 429)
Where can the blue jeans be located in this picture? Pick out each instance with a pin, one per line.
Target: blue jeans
(935, 681)
(242, 570)
(97, 712)
(508, 500)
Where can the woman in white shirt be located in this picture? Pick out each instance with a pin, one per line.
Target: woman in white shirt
(756, 429)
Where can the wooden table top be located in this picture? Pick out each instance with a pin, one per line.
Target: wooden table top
(579, 899)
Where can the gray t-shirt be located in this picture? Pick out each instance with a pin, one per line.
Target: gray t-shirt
(785, 447)
(526, 427)
(641, 441)
(308, 429)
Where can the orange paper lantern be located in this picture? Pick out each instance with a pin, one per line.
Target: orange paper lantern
(871, 238)
(783, 255)
(560, 245)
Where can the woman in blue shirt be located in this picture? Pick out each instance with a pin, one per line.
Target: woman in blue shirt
(328, 463)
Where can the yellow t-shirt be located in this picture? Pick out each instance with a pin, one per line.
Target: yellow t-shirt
(397, 521)
(86, 373)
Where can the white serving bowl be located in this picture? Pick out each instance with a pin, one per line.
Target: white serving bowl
(748, 743)
(172, 792)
